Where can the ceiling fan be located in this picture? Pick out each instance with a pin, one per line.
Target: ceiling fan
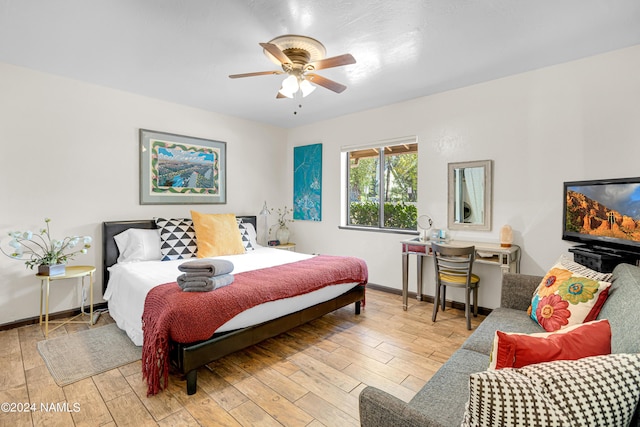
(299, 57)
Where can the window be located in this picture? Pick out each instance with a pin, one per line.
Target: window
(387, 172)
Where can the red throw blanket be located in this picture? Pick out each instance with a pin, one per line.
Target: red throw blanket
(185, 317)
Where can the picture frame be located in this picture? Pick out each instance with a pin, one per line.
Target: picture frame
(179, 169)
(307, 182)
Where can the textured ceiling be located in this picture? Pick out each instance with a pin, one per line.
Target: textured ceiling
(183, 50)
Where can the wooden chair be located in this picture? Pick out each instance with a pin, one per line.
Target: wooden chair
(453, 268)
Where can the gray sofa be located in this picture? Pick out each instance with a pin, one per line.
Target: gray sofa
(441, 402)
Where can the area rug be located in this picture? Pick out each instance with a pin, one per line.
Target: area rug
(71, 358)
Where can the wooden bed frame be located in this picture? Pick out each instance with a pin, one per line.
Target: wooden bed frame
(187, 358)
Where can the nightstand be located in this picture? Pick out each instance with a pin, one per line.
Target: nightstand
(71, 272)
(287, 247)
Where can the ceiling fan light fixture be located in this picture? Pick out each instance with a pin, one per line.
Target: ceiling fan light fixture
(286, 93)
(289, 86)
(291, 83)
(306, 87)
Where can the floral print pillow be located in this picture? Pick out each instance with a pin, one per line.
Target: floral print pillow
(565, 298)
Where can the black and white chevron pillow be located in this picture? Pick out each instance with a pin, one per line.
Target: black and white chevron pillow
(245, 235)
(594, 391)
(177, 238)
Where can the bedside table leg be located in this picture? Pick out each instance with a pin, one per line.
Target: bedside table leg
(90, 299)
(46, 313)
(41, 290)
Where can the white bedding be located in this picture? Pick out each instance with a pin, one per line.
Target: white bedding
(129, 284)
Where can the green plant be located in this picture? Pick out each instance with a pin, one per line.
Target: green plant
(396, 215)
(400, 215)
(363, 213)
(41, 249)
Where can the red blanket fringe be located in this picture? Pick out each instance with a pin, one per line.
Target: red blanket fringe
(173, 315)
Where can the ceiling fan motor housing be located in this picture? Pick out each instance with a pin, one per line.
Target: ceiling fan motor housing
(300, 59)
(300, 49)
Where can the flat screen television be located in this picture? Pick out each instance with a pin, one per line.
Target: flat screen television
(603, 214)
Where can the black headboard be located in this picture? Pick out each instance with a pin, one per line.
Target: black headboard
(110, 251)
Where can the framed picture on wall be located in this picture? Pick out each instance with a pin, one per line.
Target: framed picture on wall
(178, 169)
(307, 182)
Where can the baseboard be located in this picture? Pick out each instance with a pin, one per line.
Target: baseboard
(428, 298)
(52, 316)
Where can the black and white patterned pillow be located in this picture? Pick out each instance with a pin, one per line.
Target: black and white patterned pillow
(177, 238)
(583, 270)
(599, 390)
(245, 235)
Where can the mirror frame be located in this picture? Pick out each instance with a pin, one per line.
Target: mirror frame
(488, 195)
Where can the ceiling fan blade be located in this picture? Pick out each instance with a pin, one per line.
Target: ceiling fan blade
(335, 61)
(259, 73)
(280, 96)
(325, 82)
(276, 52)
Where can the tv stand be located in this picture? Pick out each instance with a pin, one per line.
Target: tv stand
(602, 259)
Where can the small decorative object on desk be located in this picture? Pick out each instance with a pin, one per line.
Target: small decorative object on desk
(282, 231)
(50, 255)
(506, 236)
(424, 225)
(440, 235)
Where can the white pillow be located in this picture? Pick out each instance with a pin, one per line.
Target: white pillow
(137, 244)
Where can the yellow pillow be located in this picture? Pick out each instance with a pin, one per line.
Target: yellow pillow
(217, 234)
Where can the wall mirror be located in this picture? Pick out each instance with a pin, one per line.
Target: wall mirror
(470, 197)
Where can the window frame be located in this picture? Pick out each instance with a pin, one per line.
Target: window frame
(379, 146)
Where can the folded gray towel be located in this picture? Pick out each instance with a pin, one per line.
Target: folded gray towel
(190, 283)
(206, 288)
(210, 267)
(194, 278)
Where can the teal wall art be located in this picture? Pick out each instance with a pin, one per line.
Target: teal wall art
(307, 182)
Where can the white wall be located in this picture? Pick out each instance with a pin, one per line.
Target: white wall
(573, 121)
(69, 151)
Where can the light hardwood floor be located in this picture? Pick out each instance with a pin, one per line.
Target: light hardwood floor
(310, 376)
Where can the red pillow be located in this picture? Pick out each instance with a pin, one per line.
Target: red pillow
(511, 350)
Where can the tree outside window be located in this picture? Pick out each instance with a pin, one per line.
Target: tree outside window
(390, 171)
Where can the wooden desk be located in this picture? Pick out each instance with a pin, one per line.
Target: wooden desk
(71, 272)
(508, 259)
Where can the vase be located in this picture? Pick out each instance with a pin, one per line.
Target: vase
(51, 269)
(282, 234)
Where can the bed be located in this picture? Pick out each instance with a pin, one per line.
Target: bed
(126, 285)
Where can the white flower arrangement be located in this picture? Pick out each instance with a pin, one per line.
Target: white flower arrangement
(41, 249)
(282, 218)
